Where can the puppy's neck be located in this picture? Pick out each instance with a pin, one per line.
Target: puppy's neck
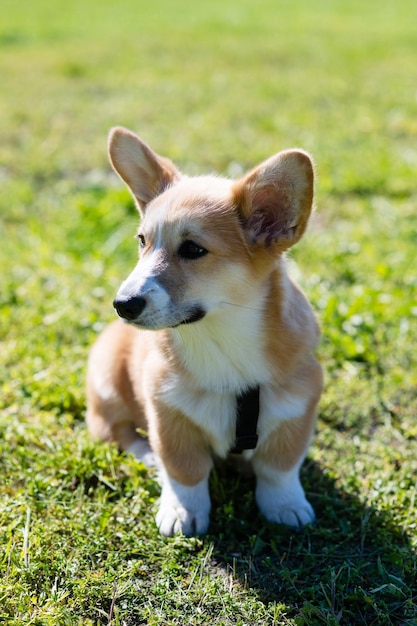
(226, 350)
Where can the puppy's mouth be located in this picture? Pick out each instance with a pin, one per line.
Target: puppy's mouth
(197, 314)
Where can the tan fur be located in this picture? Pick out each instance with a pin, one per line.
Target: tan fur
(183, 446)
(289, 442)
(178, 382)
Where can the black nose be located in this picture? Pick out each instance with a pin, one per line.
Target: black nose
(129, 307)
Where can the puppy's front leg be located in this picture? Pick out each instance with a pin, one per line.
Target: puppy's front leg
(183, 508)
(185, 454)
(276, 463)
(281, 498)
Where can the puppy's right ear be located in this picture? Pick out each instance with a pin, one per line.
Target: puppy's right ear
(145, 173)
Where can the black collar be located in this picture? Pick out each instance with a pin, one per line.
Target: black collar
(247, 421)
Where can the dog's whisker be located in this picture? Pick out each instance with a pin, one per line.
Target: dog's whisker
(240, 306)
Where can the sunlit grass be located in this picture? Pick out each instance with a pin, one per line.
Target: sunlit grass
(215, 86)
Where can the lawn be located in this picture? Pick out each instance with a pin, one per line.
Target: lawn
(216, 86)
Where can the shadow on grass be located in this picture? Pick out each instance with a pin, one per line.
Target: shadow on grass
(354, 566)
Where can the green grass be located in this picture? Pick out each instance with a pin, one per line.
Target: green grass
(215, 86)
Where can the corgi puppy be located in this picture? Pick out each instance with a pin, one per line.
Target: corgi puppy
(208, 313)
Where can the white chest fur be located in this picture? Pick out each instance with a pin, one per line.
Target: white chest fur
(214, 412)
(224, 352)
(224, 355)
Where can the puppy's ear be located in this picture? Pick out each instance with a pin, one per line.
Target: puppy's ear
(145, 173)
(275, 199)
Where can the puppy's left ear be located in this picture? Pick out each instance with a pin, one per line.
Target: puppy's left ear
(276, 198)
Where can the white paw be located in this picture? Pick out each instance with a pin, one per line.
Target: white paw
(292, 513)
(281, 499)
(141, 449)
(183, 509)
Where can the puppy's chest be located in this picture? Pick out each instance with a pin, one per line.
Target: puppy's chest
(211, 369)
(216, 413)
(224, 357)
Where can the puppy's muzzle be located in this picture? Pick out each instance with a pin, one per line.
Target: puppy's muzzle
(129, 307)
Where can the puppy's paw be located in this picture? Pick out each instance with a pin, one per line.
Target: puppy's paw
(281, 500)
(174, 520)
(292, 513)
(183, 509)
(141, 449)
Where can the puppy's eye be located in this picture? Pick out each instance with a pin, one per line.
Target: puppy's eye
(191, 250)
(141, 239)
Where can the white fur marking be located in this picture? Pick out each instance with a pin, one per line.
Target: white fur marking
(280, 496)
(183, 509)
(224, 352)
(142, 281)
(143, 452)
(215, 413)
(278, 406)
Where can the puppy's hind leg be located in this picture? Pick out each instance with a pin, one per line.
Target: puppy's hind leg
(113, 413)
(110, 420)
(143, 452)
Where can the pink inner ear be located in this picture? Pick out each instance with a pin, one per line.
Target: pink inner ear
(271, 216)
(266, 226)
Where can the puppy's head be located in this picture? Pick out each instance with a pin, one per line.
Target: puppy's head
(206, 242)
